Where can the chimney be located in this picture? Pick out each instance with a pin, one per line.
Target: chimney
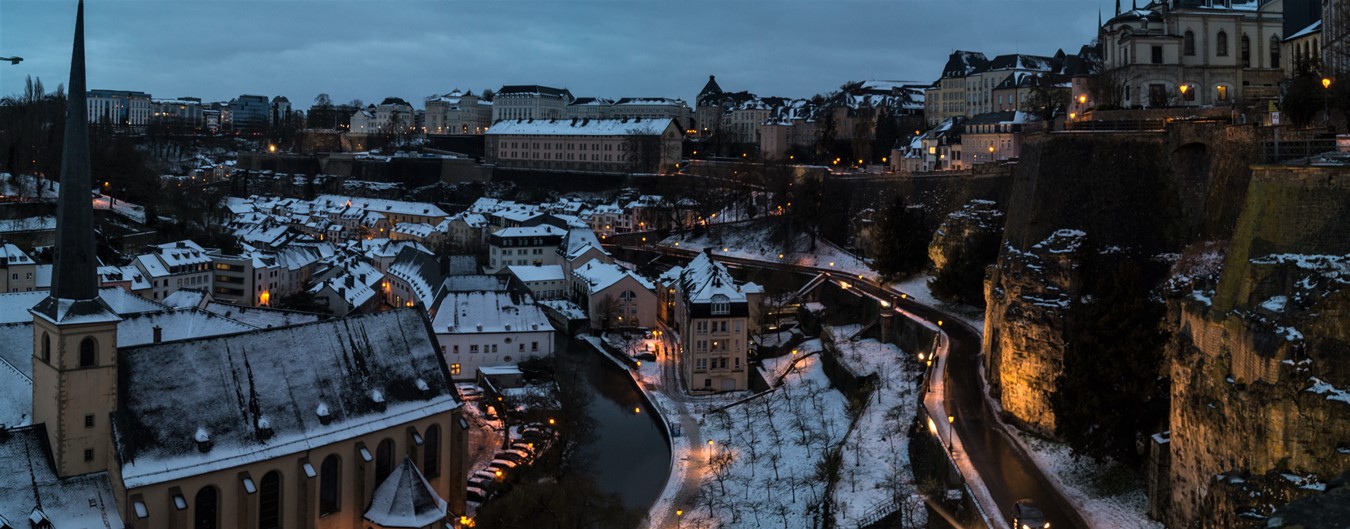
(158, 333)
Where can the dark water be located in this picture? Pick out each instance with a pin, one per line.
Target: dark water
(628, 454)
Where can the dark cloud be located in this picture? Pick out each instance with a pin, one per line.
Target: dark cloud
(372, 49)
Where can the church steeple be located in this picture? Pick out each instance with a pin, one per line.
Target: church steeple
(73, 276)
(74, 332)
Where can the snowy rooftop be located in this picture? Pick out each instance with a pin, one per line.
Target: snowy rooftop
(582, 127)
(256, 393)
(531, 274)
(704, 278)
(397, 207)
(405, 499)
(542, 230)
(600, 275)
(420, 272)
(29, 482)
(261, 317)
(485, 312)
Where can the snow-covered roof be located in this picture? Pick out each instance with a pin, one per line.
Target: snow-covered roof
(405, 499)
(600, 275)
(531, 274)
(181, 253)
(256, 393)
(420, 272)
(419, 230)
(1315, 27)
(703, 279)
(488, 312)
(542, 230)
(581, 127)
(578, 241)
(477, 283)
(186, 298)
(29, 481)
(379, 205)
(11, 255)
(261, 317)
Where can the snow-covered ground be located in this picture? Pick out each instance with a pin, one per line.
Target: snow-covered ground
(1106, 496)
(876, 473)
(764, 452)
(755, 240)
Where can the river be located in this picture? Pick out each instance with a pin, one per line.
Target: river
(628, 455)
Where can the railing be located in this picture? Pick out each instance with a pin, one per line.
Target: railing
(1286, 150)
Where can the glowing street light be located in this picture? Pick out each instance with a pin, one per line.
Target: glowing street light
(710, 451)
(1326, 92)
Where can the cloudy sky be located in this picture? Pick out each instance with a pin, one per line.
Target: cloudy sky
(218, 49)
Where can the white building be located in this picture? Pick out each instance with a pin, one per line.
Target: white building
(119, 109)
(457, 113)
(173, 266)
(1222, 53)
(530, 102)
(520, 246)
(613, 296)
(18, 271)
(391, 116)
(489, 328)
(544, 281)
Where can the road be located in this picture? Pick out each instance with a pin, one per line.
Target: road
(1007, 474)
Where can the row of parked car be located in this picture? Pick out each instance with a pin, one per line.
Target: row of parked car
(534, 439)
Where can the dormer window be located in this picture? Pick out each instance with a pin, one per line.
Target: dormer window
(721, 305)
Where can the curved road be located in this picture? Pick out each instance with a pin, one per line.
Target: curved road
(1007, 474)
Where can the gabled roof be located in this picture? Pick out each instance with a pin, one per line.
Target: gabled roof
(710, 88)
(269, 393)
(703, 278)
(488, 312)
(599, 276)
(405, 499)
(420, 271)
(963, 63)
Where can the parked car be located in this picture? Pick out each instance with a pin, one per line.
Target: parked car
(518, 456)
(1027, 516)
(476, 495)
(469, 391)
(526, 447)
(480, 482)
(501, 464)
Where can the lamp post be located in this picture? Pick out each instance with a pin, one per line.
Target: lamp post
(1326, 97)
(710, 451)
(951, 420)
(1184, 88)
(679, 513)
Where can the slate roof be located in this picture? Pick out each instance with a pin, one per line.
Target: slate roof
(704, 278)
(963, 63)
(261, 317)
(581, 127)
(488, 312)
(420, 271)
(257, 394)
(534, 89)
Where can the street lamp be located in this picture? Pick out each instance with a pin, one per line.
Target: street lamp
(951, 419)
(679, 513)
(1184, 88)
(710, 451)
(1082, 99)
(1326, 96)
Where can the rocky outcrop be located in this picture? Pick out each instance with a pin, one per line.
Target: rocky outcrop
(964, 244)
(1260, 364)
(1029, 295)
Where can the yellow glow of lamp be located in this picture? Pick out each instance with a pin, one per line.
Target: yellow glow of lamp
(1326, 82)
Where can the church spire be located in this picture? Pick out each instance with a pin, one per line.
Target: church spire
(74, 274)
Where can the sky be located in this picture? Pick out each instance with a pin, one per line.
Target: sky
(372, 49)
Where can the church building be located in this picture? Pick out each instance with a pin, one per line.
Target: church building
(130, 413)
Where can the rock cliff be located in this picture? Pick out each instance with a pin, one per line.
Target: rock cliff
(1260, 364)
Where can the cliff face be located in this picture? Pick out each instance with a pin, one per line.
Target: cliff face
(1136, 194)
(964, 244)
(1029, 298)
(1260, 365)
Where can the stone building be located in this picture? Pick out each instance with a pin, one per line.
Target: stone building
(1225, 53)
(586, 145)
(530, 102)
(457, 113)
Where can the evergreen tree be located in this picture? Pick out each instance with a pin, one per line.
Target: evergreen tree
(900, 240)
(1113, 390)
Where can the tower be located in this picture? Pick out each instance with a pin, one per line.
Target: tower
(74, 332)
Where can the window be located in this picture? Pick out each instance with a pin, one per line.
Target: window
(1245, 49)
(207, 515)
(1221, 93)
(46, 348)
(721, 304)
(1188, 43)
(534, 346)
(330, 479)
(89, 454)
(88, 352)
(1275, 51)
(494, 347)
(473, 349)
(431, 457)
(1157, 94)
(701, 327)
(454, 369)
(1221, 44)
(269, 501)
(701, 364)
(88, 421)
(1157, 57)
(384, 461)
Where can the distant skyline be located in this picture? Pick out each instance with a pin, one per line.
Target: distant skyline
(349, 49)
